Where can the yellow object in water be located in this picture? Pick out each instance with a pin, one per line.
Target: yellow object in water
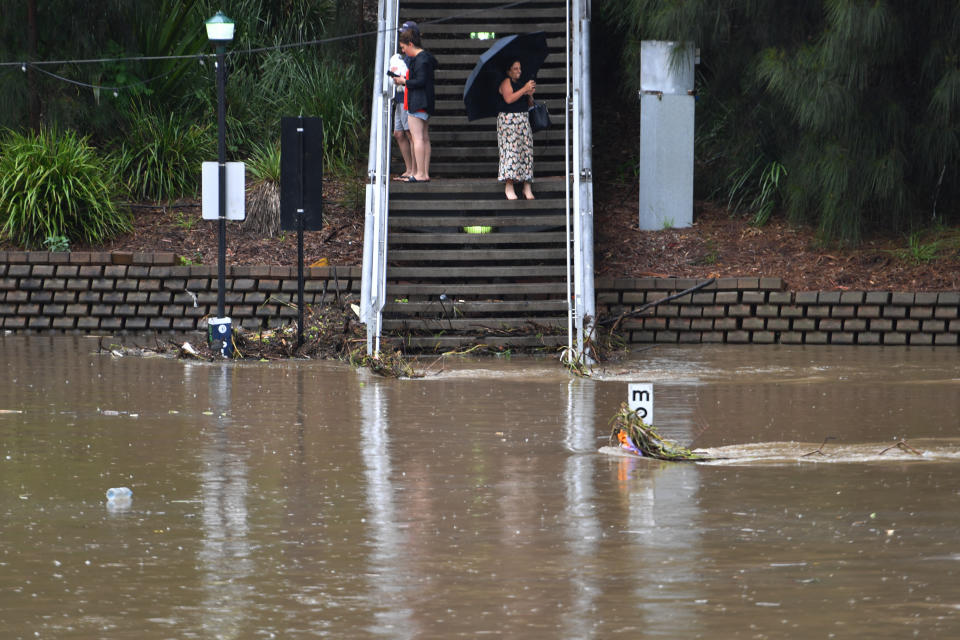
(478, 229)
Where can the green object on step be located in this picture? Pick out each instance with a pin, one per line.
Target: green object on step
(478, 229)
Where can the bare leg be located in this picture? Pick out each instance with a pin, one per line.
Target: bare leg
(403, 142)
(528, 191)
(421, 148)
(509, 191)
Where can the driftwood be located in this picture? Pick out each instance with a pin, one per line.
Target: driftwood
(615, 322)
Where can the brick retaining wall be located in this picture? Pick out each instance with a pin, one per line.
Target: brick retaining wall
(760, 311)
(128, 292)
(131, 292)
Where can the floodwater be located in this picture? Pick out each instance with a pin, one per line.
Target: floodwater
(307, 499)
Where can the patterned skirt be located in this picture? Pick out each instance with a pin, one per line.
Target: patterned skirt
(515, 140)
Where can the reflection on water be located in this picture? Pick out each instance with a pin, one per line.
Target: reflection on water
(225, 551)
(582, 528)
(392, 617)
(306, 499)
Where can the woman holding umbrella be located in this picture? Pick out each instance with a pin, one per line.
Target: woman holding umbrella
(419, 99)
(514, 136)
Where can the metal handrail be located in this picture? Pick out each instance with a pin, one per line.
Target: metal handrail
(586, 302)
(578, 185)
(580, 180)
(373, 287)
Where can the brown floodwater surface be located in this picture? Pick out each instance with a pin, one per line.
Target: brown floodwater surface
(309, 499)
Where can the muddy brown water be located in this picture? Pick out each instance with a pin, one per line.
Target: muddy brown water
(307, 499)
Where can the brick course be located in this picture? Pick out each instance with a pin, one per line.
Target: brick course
(742, 314)
(91, 291)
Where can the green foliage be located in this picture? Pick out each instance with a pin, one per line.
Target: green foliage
(160, 154)
(95, 29)
(264, 161)
(756, 190)
(287, 83)
(169, 28)
(184, 261)
(58, 244)
(56, 185)
(186, 221)
(859, 101)
(263, 194)
(919, 252)
(327, 79)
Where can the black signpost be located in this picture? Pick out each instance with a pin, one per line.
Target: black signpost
(301, 188)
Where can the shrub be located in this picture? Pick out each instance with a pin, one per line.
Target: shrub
(287, 84)
(55, 184)
(160, 155)
(263, 194)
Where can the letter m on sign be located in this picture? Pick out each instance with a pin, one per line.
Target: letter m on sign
(640, 399)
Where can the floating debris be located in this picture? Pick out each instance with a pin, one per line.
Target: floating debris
(188, 350)
(903, 446)
(387, 364)
(631, 434)
(819, 450)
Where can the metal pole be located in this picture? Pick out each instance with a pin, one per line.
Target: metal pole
(300, 226)
(588, 307)
(222, 186)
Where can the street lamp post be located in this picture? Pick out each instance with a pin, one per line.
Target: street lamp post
(220, 32)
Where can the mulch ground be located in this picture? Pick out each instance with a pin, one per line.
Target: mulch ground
(721, 245)
(717, 245)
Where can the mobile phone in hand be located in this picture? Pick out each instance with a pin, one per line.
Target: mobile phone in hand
(392, 74)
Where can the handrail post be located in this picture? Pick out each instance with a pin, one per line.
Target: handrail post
(585, 212)
(373, 284)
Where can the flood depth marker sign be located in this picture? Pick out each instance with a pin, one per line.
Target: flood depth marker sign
(640, 399)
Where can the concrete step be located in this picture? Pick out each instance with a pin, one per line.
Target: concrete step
(476, 273)
(423, 256)
(471, 291)
(462, 308)
(494, 206)
(447, 342)
(473, 240)
(482, 325)
(450, 224)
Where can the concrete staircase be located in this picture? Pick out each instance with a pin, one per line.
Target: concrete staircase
(508, 287)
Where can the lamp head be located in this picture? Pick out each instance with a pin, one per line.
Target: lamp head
(220, 28)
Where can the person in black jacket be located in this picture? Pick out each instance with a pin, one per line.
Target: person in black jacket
(418, 99)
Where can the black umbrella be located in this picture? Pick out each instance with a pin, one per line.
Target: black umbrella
(480, 94)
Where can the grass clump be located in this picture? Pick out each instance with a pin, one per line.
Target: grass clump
(55, 185)
(263, 193)
(161, 154)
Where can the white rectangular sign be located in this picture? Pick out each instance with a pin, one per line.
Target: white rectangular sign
(640, 399)
(236, 208)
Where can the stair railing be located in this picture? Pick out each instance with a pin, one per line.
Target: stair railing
(374, 284)
(579, 183)
(581, 304)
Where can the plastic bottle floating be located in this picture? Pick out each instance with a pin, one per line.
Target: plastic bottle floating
(119, 493)
(631, 434)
